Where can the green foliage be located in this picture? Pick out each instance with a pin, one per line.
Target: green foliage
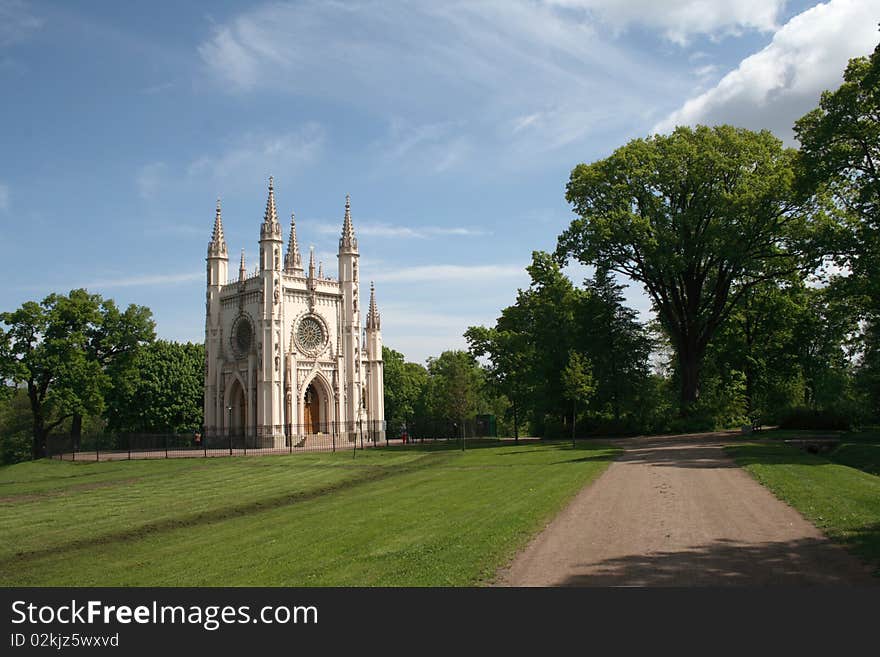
(161, 390)
(529, 348)
(812, 419)
(840, 159)
(578, 384)
(405, 385)
(455, 389)
(867, 377)
(15, 426)
(698, 217)
(62, 351)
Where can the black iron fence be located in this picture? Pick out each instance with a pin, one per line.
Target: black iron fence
(281, 439)
(286, 439)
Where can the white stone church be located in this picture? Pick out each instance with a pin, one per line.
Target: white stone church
(286, 357)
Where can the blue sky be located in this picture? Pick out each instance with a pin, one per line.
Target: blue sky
(453, 126)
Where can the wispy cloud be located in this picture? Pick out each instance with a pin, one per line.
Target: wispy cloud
(17, 22)
(449, 273)
(680, 20)
(146, 281)
(774, 87)
(398, 232)
(530, 65)
(258, 152)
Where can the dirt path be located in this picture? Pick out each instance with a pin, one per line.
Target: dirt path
(676, 511)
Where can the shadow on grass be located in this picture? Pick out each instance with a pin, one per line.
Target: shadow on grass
(587, 459)
(808, 561)
(442, 445)
(679, 456)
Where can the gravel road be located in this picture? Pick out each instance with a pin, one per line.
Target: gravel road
(676, 511)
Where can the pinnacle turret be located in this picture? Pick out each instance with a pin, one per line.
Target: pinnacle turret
(348, 240)
(373, 320)
(293, 260)
(217, 245)
(242, 272)
(311, 262)
(270, 228)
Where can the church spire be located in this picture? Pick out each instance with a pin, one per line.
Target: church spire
(311, 262)
(293, 260)
(271, 227)
(242, 272)
(217, 245)
(373, 322)
(348, 240)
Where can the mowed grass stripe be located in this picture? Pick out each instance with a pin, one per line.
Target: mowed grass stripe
(451, 521)
(145, 496)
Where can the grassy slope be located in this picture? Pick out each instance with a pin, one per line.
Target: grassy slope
(841, 500)
(389, 517)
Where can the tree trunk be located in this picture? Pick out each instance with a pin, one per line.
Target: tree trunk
(76, 430)
(38, 447)
(689, 369)
(515, 424)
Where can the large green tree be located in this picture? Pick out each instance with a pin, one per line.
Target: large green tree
(618, 346)
(698, 217)
(455, 386)
(840, 158)
(160, 391)
(60, 351)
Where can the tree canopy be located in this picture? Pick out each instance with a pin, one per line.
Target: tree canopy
(60, 350)
(698, 217)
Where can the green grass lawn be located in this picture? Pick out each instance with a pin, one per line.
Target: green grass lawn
(857, 449)
(416, 516)
(842, 500)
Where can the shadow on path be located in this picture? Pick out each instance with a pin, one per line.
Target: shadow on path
(729, 563)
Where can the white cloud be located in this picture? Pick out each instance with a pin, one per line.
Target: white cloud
(776, 86)
(149, 178)
(491, 64)
(450, 273)
(681, 19)
(4, 197)
(396, 232)
(17, 23)
(257, 154)
(129, 281)
(147, 281)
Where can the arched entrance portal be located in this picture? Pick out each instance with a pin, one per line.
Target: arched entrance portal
(312, 410)
(237, 409)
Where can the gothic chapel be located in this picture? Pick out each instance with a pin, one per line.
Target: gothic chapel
(286, 359)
